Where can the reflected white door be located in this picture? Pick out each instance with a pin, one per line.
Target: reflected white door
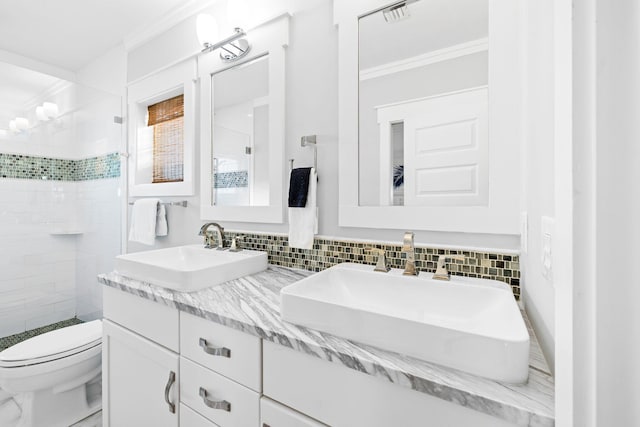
(446, 152)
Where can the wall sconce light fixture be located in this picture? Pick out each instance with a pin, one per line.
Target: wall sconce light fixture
(231, 48)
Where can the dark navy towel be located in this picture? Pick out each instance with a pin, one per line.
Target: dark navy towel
(299, 187)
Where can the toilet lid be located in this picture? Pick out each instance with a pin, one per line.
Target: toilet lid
(53, 345)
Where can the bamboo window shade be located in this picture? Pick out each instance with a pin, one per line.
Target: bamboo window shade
(167, 119)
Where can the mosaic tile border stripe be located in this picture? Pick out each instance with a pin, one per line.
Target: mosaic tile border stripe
(234, 179)
(6, 342)
(329, 252)
(18, 166)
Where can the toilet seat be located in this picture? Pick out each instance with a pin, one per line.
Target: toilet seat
(53, 345)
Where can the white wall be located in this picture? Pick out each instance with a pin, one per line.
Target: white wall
(537, 166)
(311, 108)
(106, 73)
(617, 210)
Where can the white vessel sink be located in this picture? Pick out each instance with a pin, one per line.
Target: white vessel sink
(190, 268)
(473, 325)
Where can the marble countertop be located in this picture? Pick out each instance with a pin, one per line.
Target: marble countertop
(252, 304)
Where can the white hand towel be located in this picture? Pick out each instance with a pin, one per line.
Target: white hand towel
(143, 221)
(161, 221)
(303, 222)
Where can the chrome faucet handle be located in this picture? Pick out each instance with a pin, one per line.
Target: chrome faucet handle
(407, 241)
(235, 245)
(441, 270)
(381, 264)
(409, 248)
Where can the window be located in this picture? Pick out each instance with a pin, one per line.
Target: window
(161, 126)
(167, 120)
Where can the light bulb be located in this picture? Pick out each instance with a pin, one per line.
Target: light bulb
(207, 29)
(21, 123)
(50, 109)
(40, 114)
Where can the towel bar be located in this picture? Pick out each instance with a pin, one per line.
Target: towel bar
(305, 141)
(182, 203)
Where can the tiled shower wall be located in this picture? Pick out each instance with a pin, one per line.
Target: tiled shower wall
(98, 203)
(43, 275)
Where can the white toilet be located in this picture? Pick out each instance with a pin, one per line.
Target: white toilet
(51, 377)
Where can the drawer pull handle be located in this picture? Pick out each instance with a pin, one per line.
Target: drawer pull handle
(167, 390)
(214, 351)
(214, 404)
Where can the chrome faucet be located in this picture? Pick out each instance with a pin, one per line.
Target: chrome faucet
(381, 265)
(409, 249)
(441, 271)
(208, 237)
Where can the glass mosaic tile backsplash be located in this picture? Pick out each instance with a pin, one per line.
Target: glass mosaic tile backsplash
(329, 252)
(19, 166)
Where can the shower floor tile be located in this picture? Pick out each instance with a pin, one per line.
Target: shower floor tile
(7, 342)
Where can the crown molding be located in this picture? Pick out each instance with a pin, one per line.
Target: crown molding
(178, 14)
(451, 52)
(35, 65)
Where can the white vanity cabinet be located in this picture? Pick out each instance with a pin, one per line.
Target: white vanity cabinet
(164, 367)
(140, 376)
(340, 396)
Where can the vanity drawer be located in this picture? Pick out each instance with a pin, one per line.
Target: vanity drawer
(226, 402)
(190, 418)
(150, 319)
(273, 414)
(232, 353)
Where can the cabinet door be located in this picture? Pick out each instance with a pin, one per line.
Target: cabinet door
(140, 380)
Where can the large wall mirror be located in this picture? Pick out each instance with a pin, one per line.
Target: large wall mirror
(417, 109)
(423, 77)
(242, 145)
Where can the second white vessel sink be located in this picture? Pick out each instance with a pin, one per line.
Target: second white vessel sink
(473, 325)
(190, 268)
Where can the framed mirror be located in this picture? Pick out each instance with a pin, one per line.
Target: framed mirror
(240, 134)
(423, 100)
(242, 129)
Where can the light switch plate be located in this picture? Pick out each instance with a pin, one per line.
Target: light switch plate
(547, 228)
(524, 232)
